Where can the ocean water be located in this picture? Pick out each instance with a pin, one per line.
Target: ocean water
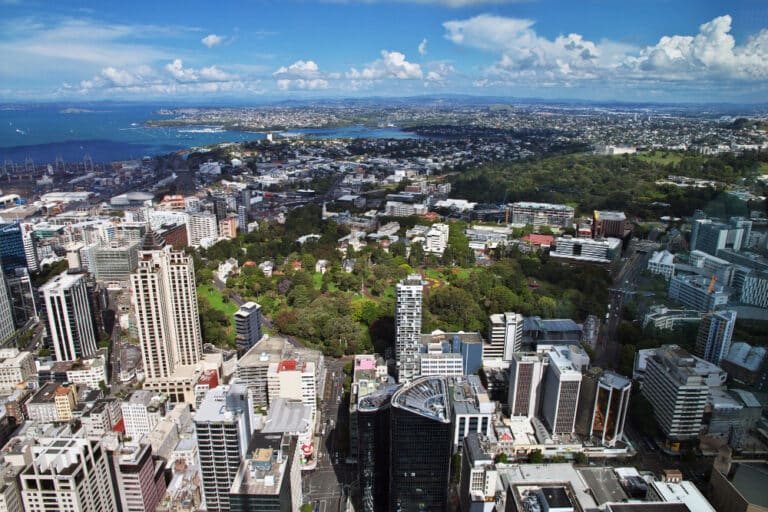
(115, 132)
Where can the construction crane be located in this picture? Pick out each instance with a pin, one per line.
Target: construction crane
(503, 204)
(712, 285)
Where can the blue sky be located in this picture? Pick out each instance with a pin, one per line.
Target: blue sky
(633, 50)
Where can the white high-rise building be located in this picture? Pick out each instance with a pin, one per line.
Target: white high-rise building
(562, 384)
(505, 336)
(30, 251)
(68, 474)
(676, 385)
(408, 297)
(165, 301)
(223, 427)
(141, 412)
(70, 324)
(201, 226)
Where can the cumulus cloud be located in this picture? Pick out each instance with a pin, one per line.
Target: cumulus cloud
(423, 47)
(711, 53)
(212, 40)
(302, 74)
(120, 77)
(390, 65)
(182, 74)
(525, 56)
(299, 69)
(439, 71)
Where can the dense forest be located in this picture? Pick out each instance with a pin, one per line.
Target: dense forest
(626, 182)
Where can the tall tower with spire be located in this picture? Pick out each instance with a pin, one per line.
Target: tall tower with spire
(165, 302)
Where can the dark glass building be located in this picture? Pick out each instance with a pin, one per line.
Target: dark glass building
(373, 420)
(12, 255)
(420, 446)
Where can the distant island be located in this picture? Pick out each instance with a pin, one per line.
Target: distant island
(76, 111)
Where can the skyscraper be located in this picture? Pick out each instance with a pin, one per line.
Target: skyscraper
(248, 325)
(70, 322)
(711, 236)
(269, 479)
(714, 338)
(140, 479)
(420, 446)
(526, 372)
(603, 405)
(201, 226)
(513, 339)
(408, 297)
(677, 392)
(12, 252)
(68, 474)
(373, 419)
(165, 302)
(22, 295)
(505, 335)
(7, 327)
(562, 384)
(223, 426)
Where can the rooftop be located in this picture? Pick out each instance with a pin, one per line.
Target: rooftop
(287, 416)
(683, 492)
(751, 479)
(262, 471)
(426, 396)
(378, 399)
(745, 355)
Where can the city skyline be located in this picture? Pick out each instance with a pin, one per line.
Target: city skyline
(260, 51)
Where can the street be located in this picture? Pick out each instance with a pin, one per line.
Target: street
(327, 486)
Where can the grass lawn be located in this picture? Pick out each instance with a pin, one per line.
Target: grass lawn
(217, 301)
(317, 280)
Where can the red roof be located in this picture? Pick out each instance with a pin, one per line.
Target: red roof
(119, 426)
(287, 365)
(534, 239)
(249, 263)
(209, 377)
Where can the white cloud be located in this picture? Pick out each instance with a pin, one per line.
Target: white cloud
(176, 70)
(120, 77)
(390, 65)
(439, 71)
(711, 53)
(526, 57)
(423, 47)
(302, 74)
(285, 84)
(212, 40)
(299, 69)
